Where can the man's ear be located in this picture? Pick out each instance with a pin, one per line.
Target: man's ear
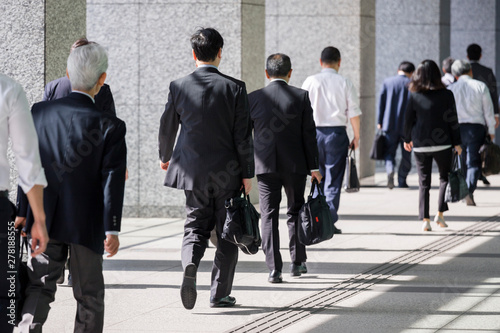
(194, 55)
(219, 54)
(102, 78)
(267, 74)
(290, 73)
(67, 74)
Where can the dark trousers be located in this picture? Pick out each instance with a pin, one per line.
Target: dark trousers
(205, 210)
(7, 275)
(393, 141)
(88, 287)
(333, 144)
(270, 185)
(472, 136)
(423, 161)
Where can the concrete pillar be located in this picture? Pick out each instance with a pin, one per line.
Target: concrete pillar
(35, 38)
(148, 45)
(477, 22)
(302, 29)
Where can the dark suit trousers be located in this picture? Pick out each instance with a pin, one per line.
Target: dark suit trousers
(423, 161)
(270, 185)
(333, 144)
(205, 210)
(88, 287)
(393, 141)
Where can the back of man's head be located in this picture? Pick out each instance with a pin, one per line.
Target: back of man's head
(330, 55)
(446, 64)
(460, 67)
(474, 52)
(406, 67)
(278, 65)
(80, 42)
(85, 65)
(206, 43)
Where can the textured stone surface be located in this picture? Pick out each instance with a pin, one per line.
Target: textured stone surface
(64, 23)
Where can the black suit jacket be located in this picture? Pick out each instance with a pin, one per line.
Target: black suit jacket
(485, 74)
(214, 148)
(61, 87)
(284, 130)
(84, 154)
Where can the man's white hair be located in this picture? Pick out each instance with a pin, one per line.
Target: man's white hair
(85, 65)
(460, 67)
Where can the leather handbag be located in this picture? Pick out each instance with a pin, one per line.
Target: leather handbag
(351, 180)
(242, 224)
(315, 222)
(490, 157)
(378, 147)
(456, 189)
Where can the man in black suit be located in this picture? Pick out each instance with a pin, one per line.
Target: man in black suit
(286, 151)
(61, 87)
(84, 155)
(211, 161)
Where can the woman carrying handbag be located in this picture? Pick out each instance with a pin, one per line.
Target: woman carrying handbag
(431, 131)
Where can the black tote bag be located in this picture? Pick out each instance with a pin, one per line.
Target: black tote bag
(242, 224)
(378, 147)
(351, 180)
(457, 188)
(315, 220)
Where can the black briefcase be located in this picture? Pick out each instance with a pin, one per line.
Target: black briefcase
(315, 220)
(242, 224)
(378, 148)
(351, 180)
(490, 157)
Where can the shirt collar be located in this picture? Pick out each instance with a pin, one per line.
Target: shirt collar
(202, 66)
(329, 70)
(81, 92)
(279, 80)
(464, 77)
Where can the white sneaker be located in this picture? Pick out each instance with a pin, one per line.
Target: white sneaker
(440, 221)
(426, 226)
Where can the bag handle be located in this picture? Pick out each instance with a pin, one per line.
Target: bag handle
(315, 185)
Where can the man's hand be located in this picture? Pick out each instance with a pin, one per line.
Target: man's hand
(492, 137)
(247, 183)
(111, 245)
(316, 175)
(408, 146)
(164, 166)
(39, 238)
(458, 149)
(355, 143)
(379, 126)
(497, 121)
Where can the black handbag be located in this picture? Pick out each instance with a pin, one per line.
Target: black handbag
(242, 224)
(315, 222)
(490, 157)
(378, 147)
(456, 189)
(351, 180)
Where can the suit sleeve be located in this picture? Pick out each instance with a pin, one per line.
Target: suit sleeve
(108, 102)
(410, 116)
(242, 134)
(492, 86)
(169, 124)
(381, 104)
(113, 175)
(309, 135)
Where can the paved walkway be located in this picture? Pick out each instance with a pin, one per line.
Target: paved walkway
(383, 274)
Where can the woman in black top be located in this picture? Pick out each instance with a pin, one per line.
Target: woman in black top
(431, 130)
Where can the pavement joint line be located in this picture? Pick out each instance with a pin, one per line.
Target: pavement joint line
(319, 301)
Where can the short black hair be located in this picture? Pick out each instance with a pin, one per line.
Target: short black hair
(278, 65)
(406, 67)
(474, 52)
(447, 64)
(426, 77)
(330, 55)
(206, 43)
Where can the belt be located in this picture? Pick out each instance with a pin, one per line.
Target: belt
(4, 194)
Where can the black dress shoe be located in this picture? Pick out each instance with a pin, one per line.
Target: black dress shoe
(188, 287)
(298, 269)
(336, 230)
(485, 181)
(275, 277)
(223, 302)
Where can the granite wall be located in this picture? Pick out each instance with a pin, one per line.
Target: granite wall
(302, 29)
(35, 37)
(148, 45)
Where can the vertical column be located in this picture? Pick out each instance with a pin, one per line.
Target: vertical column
(149, 47)
(35, 37)
(301, 29)
(477, 22)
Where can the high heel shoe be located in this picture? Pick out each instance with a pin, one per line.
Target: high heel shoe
(440, 221)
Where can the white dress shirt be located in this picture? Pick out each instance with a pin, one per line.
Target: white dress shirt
(16, 122)
(473, 101)
(333, 98)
